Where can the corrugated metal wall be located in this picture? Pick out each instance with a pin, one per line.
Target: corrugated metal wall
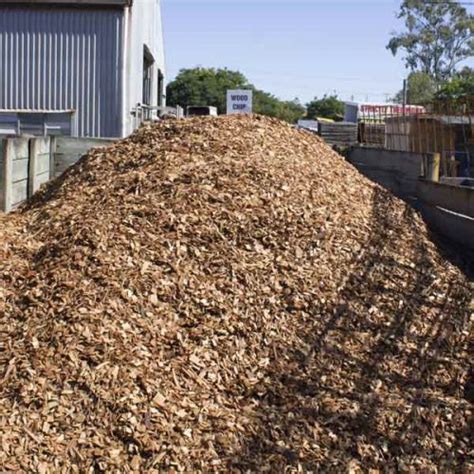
(61, 59)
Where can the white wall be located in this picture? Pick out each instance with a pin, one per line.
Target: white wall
(143, 26)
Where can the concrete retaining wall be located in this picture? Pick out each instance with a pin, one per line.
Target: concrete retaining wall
(15, 171)
(458, 199)
(68, 150)
(447, 208)
(456, 227)
(2, 197)
(40, 163)
(467, 182)
(394, 170)
(28, 163)
(25, 166)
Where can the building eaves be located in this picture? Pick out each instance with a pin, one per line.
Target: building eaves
(77, 3)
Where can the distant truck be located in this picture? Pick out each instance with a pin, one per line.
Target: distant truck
(195, 111)
(355, 112)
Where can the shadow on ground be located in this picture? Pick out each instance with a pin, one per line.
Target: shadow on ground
(384, 383)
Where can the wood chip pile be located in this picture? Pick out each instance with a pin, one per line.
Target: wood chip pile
(223, 294)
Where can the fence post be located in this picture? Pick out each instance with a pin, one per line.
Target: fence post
(33, 151)
(39, 171)
(52, 158)
(433, 168)
(6, 176)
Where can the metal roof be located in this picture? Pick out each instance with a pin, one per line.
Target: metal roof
(122, 3)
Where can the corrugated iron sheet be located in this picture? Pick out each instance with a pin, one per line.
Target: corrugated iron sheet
(61, 59)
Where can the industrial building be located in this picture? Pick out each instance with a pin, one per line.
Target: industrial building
(89, 68)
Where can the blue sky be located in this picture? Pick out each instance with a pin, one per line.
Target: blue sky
(291, 48)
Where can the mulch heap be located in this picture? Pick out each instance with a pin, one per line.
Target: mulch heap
(228, 294)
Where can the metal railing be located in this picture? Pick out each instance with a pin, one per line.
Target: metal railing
(147, 113)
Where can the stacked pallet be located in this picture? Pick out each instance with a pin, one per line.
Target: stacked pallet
(372, 134)
(342, 134)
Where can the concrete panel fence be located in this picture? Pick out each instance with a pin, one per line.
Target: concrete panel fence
(69, 150)
(27, 163)
(22, 168)
(40, 164)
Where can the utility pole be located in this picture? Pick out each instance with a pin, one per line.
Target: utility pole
(405, 96)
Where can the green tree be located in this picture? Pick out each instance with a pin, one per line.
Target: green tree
(459, 87)
(439, 36)
(291, 111)
(328, 107)
(268, 104)
(204, 86)
(421, 89)
(208, 86)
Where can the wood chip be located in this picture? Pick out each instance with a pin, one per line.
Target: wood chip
(228, 294)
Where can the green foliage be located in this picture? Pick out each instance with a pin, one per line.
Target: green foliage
(459, 87)
(267, 104)
(439, 36)
(208, 86)
(204, 86)
(328, 107)
(421, 89)
(291, 111)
